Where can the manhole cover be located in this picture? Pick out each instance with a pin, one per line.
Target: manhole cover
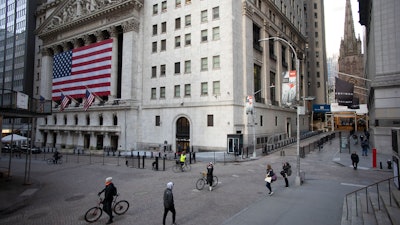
(74, 198)
(38, 215)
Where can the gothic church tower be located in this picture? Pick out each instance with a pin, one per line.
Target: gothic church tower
(351, 59)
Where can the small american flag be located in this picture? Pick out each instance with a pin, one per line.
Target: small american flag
(86, 67)
(89, 100)
(64, 102)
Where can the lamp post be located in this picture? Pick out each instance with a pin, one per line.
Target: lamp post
(298, 180)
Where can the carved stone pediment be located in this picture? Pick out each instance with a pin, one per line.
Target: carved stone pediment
(73, 13)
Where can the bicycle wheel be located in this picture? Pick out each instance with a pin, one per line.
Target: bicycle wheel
(121, 207)
(93, 214)
(50, 161)
(187, 167)
(215, 181)
(176, 168)
(59, 161)
(200, 184)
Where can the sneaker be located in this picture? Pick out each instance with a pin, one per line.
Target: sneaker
(271, 193)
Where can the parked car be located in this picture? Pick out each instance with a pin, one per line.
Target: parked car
(26, 149)
(5, 148)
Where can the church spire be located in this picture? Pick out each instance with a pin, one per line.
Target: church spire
(349, 34)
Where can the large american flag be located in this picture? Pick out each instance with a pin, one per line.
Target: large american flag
(86, 67)
(89, 100)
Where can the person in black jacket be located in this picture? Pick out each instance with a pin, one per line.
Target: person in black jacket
(210, 170)
(354, 159)
(109, 192)
(169, 202)
(286, 171)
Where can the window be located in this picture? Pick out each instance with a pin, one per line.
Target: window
(188, 1)
(315, 6)
(163, 45)
(317, 64)
(204, 88)
(153, 93)
(204, 16)
(315, 24)
(66, 120)
(177, 23)
(318, 84)
(210, 120)
(187, 90)
(257, 83)
(115, 120)
(87, 120)
(153, 72)
(177, 41)
(203, 35)
(215, 14)
(272, 50)
(216, 62)
(315, 15)
(101, 119)
(177, 91)
(155, 9)
(276, 121)
(215, 33)
(256, 37)
(155, 29)
(188, 66)
(154, 47)
(162, 70)
(317, 54)
(188, 39)
(162, 92)
(177, 3)
(164, 6)
(318, 75)
(204, 64)
(163, 27)
(261, 120)
(158, 121)
(177, 67)
(188, 20)
(216, 88)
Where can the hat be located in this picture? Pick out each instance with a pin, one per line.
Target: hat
(170, 185)
(108, 179)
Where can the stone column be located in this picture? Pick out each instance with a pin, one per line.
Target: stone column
(46, 73)
(130, 41)
(114, 62)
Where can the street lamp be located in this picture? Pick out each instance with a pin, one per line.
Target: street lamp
(298, 180)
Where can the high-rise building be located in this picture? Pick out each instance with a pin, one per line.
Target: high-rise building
(17, 53)
(382, 51)
(351, 59)
(317, 75)
(179, 73)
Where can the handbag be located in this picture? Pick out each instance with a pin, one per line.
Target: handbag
(268, 179)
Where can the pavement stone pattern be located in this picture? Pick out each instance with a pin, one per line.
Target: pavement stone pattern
(61, 194)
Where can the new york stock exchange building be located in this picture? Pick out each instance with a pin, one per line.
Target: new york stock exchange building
(139, 75)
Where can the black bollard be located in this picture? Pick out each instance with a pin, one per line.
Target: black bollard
(155, 163)
(143, 160)
(164, 164)
(138, 160)
(389, 164)
(380, 165)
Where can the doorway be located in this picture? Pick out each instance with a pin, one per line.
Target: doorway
(182, 135)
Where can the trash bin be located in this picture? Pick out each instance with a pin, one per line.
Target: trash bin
(389, 164)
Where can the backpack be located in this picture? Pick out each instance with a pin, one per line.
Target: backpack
(274, 177)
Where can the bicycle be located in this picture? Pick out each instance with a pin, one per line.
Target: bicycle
(94, 213)
(53, 161)
(203, 181)
(178, 168)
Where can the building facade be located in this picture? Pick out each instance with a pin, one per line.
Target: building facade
(382, 68)
(180, 73)
(317, 73)
(17, 23)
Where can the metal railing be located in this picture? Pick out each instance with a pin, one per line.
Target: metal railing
(366, 195)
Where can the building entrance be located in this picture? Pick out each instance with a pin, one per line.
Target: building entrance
(182, 136)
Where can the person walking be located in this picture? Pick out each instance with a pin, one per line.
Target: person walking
(210, 170)
(109, 192)
(286, 171)
(269, 179)
(365, 147)
(169, 203)
(354, 159)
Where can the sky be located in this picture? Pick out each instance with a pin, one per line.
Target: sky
(334, 24)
